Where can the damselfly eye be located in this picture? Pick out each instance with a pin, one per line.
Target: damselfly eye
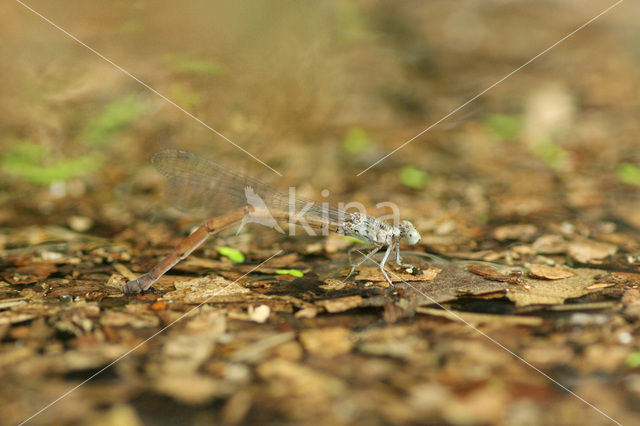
(411, 235)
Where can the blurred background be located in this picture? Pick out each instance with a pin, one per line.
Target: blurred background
(320, 91)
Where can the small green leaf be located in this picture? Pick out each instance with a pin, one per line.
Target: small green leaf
(292, 272)
(233, 254)
(505, 127)
(551, 153)
(414, 178)
(116, 116)
(35, 164)
(628, 173)
(356, 141)
(633, 359)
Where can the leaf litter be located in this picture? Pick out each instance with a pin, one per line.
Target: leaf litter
(538, 248)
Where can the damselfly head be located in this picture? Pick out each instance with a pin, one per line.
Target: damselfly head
(409, 232)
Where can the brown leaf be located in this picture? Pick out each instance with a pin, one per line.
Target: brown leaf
(631, 302)
(14, 317)
(307, 312)
(549, 272)
(188, 388)
(550, 244)
(452, 283)
(479, 318)
(135, 320)
(372, 273)
(341, 304)
(598, 286)
(285, 261)
(630, 279)
(493, 274)
(556, 291)
(631, 297)
(200, 290)
(547, 355)
(393, 341)
(299, 379)
(519, 232)
(327, 342)
(585, 250)
(29, 274)
(257, 351)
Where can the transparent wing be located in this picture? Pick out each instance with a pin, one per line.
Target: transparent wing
(196, 184)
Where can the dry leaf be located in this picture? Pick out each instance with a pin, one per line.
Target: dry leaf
(491, 273)
(553, 292)
(257, 351)
(340, 304)
(477, 318)
(599, 286)
(392, 341)
(189, 389)
(136, 320)
(29, 274)
(14, 317)
(549, 272)
(631, 302)
(307, 312)
(299, 379)
(520, 232)
(327, 342)
(373, 273)
(585, 251)
(202, 290)
(546, 355)
(550, 244)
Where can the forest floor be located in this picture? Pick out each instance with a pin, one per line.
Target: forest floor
(524, 307)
